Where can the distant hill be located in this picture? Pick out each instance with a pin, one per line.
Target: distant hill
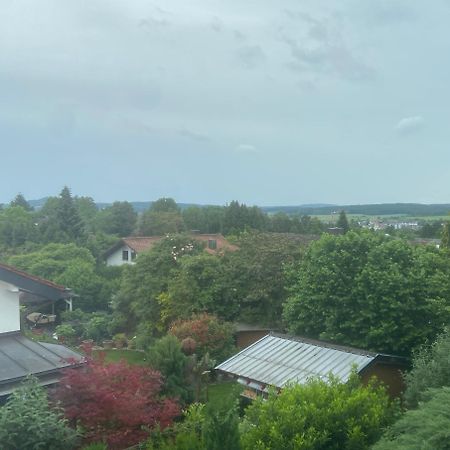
(381, 209)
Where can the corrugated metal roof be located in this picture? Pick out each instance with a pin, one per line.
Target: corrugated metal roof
(276, 360)
(20, 356)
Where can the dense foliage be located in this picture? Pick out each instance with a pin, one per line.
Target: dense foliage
(424, 428)
(431, 369)
(210, 335)
(28, 422)
(369, 291)
(320, 415)
(166, 356)
(115, 403)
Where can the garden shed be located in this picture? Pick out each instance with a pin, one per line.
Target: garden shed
(277, 360)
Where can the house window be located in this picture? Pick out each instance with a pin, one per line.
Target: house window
(212, 244)
(124, 255)
(133, 256)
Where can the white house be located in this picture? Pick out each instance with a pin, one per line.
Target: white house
(20, 356)
(127, 249)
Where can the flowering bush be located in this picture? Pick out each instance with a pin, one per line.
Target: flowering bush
(209, 333)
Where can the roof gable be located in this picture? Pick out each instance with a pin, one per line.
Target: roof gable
(33, 284)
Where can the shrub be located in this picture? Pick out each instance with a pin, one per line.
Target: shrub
(211, 335)
(167, 357)
(431, 369)
(319, 415)
(115, 403)
(27, 422)
(425, 428)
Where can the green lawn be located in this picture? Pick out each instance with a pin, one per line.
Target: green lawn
(225, 389)
(131, 356)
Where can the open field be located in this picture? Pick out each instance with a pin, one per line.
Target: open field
(332, 218)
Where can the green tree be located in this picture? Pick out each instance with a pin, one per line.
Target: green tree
(87, 210)
(137, 300)
(431, 369)
(19, 200)
(220, 429)
(342, 221)
(155, 223)
(207, 219)
(196, 287)
(16, 226)
(59, 219)
(164, 204)
(68, 218)
(71, 266)
(120, 219)
(166, 356)
(425, 428)
(445, 236)
(319, 415)
(253, 278)
(27, 422)
(369, 291)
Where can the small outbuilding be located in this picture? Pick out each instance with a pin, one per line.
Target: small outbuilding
(277, 360)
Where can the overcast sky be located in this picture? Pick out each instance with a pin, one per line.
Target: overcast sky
(267, 102)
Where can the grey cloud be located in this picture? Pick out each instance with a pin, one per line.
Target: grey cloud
(217, 24)
(193, 135)
(251, 56)
(386, 12)
(323, 49)
(239, 35)
(153, 22)
(409, 125)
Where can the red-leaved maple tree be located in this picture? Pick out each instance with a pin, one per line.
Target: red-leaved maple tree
(115, 403)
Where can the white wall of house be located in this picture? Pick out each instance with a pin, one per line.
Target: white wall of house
(9, 308)
(116, 258)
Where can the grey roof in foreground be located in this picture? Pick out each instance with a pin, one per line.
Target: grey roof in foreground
(277, 359)
(20, 356)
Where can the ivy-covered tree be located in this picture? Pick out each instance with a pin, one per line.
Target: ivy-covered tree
(28, 422)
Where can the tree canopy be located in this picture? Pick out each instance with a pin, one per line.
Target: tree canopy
(369, 291)
(319, 415)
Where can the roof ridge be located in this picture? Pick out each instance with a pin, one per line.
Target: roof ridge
(326, 344)
(33, 277)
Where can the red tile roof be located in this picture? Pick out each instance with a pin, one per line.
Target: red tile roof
(141, 243)
(144, 243)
